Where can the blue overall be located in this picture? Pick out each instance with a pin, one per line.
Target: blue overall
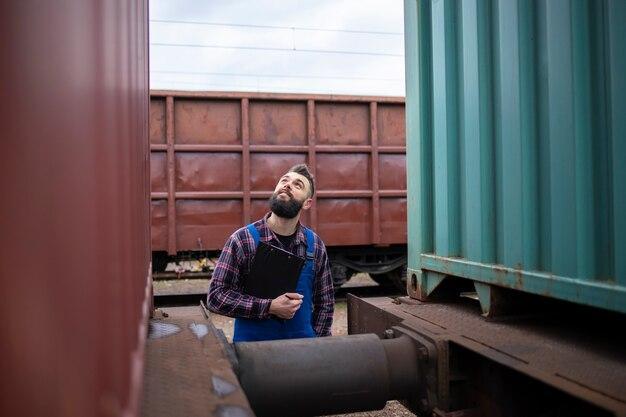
(300, 326)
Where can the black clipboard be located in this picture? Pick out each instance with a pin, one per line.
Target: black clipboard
(274, 271)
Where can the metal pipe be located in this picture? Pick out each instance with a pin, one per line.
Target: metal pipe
(330, 375)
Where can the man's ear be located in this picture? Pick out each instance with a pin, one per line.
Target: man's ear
(307, 204)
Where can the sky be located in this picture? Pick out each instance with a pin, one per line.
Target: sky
(287, 46)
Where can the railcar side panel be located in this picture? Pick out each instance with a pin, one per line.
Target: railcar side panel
(74, 219)
(216, 158)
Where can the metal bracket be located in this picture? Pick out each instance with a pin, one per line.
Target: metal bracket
(427, 354)
(421, 284)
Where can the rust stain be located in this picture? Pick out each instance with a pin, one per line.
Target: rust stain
(519, 280)
(500, 274)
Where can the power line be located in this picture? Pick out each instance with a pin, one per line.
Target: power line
(321, 51)
(258, 88)
(275, 27)
(230, 74)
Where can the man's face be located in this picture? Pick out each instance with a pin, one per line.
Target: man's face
(290, 195)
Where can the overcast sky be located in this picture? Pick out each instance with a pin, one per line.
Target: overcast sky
(295, 46)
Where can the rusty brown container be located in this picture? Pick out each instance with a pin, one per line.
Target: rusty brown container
(74, 218)
(216, 157)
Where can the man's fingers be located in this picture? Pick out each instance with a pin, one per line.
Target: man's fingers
(292, 303)
(293, 295)
(288, 304)
(294, 307)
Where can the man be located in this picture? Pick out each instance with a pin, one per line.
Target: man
(306, 313)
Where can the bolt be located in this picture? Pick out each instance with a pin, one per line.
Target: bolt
(389, 334)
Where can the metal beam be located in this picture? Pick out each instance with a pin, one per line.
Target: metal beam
(596, 294)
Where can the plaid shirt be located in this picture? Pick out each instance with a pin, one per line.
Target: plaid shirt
(225, 294)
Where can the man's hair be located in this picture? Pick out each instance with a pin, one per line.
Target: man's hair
(303, 170)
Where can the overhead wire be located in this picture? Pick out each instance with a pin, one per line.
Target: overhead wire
(322, 51)
(229, 74)
(193, 22)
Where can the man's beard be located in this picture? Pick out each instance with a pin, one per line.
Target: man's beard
(286, 209)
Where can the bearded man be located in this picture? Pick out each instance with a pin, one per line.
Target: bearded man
(308, 312)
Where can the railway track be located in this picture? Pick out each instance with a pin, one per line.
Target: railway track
(190, 293)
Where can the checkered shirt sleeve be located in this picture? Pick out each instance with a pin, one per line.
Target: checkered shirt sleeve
(323, 292)
(225, 294)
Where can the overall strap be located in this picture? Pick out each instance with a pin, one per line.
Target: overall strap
(255, 234)
(310, 244)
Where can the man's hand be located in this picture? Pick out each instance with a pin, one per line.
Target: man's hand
(286, 305)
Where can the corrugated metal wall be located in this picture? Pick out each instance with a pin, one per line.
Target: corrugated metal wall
(516, 145)
(74, 218)
(216, 158)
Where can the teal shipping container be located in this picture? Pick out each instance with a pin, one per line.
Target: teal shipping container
(516, 148)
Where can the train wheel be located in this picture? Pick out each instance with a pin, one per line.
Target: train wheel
(397, 277)
(340, 274)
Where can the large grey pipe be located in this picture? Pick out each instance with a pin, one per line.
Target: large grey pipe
(330, 375)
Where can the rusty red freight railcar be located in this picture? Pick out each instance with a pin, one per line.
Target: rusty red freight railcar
(74, 219)
(215, 157)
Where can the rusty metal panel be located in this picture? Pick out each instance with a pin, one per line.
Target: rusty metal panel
(159, 225)
(393, 167)
(343, 171)
(157, 120)
(342, 124)
(203, 224)
(205, 171)
(276, 123)
(202, 121)
(344, 221)
(158, 172)
(74, 220)
(224, 152)
(391, 125)
(516, 121)
(393, 220)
